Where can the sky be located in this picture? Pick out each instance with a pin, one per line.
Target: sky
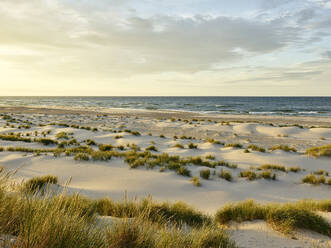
(165, 47)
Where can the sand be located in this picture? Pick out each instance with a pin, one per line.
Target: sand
(115, 179)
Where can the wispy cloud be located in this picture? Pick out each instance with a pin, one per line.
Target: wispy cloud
(110, 43)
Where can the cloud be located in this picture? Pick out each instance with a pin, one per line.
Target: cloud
(76, 42)
(327, 54)
(135, 44)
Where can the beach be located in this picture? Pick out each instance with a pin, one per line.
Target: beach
(224, 141)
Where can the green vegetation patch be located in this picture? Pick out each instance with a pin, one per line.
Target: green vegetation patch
(37, 184)
(320, 151)
(284, 218)
(284, 148)
(256, 148)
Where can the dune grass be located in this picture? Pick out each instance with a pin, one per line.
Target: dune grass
(205, 174)
(225, 174)
(284, 218)
(38, 184)
(192, 146)
(315, 180)
(46, 141)
(138, 233)
(320, 151)
(272, 167)
(210, 157)
(82, 157)
(183, 171)
(284, 148)
(214, 142)
(62, 135)
(12, 137)
(236, 145)
(151, 148)
(294, 169)
(250, 175)
(195, 181)
(178, 145)
(256, 148)
(66, 221)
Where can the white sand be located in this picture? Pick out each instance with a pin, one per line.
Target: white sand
(114, 178)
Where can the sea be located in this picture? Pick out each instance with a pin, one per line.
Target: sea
(285, 106)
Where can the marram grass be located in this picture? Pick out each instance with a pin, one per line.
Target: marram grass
(65, 221)
(282, 217)
(72, 220)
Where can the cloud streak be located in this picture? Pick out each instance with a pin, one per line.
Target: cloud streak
(58, 40)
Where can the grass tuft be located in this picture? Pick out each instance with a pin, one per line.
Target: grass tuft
(225, 174)
(236, 145)
(284, 218)
(256, 148)
(320, 151)
(195, 181)
(312, 179)
(205, 174)
(284, 148)
(38, 184)
(192, 146)
(82, 157)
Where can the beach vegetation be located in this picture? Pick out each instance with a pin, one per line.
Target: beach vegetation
(315, 180)
(272, 167)
(195, 181)
(236, 145)
(91, 142)
(37, 184)
(46, 141)
(13, 137)
(284, 218)
(183, 171)
(225, 174)
(321, 172)
(250, 175)
(82, 156)
(284, 148)
(205, 174)
(178, 145)
(107, 147)
(101, 155)
(320, 151)
(62, 135)
(294, 169)
(151, 148)
(120, 147)
(62, 144)
(267, 175)
(192, 146)
(210, 157)
(215, 142)
(227, 164)
(256, 148)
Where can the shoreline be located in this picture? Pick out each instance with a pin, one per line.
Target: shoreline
(162, 114)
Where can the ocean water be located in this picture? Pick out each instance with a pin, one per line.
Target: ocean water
(300, 106)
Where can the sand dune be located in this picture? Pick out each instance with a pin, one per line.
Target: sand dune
(114, 178)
